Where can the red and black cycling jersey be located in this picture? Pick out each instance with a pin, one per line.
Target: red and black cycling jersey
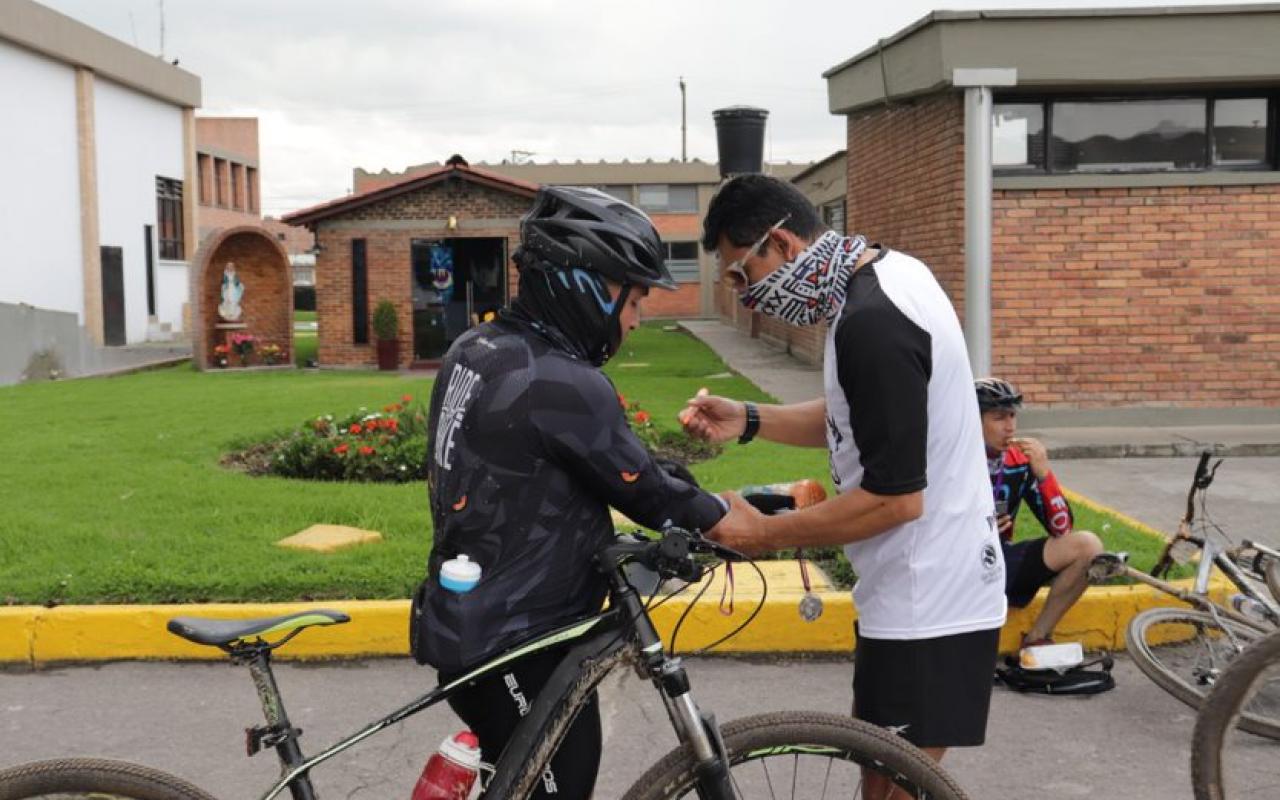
(528, 447)
(1013, 481)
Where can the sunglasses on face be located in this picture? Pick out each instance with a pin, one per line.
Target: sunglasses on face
(736, 269)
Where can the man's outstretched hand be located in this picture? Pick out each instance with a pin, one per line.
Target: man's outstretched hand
(742, 529)
(713, 418)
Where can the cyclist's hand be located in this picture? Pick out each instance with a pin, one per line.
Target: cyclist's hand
(742, 529)
(1004, 523)
(1036, 453)
(713, 418)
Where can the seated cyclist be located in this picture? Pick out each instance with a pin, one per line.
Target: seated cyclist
(1020, 471)
(528, 448)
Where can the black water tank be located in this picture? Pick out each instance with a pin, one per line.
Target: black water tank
(740, 139)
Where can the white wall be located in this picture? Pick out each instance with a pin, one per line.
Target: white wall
(40, 261)
(138, 139)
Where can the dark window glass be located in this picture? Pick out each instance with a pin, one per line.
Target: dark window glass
(359, 293)
(1240, 132)
(169, 219)
(1128, 135)
(682, 261)
(1017, 136)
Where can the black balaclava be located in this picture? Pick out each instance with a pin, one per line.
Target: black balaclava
(574, 302)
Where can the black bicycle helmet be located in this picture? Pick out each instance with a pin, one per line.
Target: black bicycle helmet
(582, 228)
(995, 393)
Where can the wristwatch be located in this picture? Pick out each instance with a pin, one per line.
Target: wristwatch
(753, 423)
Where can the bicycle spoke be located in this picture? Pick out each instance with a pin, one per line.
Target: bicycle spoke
(764, 764)
(826, 780)
(795, 772)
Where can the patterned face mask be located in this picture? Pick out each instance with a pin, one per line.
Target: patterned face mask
(811, 287)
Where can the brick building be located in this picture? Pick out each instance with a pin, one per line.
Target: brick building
(1136, 202)
(470, 217)
(436, 244)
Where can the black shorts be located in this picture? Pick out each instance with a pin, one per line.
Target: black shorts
(1025, 571)
(492, 707)
(932, 692)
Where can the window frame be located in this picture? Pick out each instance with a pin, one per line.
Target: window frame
(170, 215)
(1048, 101)
(685, 264)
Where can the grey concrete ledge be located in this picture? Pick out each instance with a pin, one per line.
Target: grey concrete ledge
(1142, 180)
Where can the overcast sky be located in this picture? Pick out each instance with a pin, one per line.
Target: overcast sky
(389, 83)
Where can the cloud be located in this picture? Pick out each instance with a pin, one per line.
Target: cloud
(388, 83)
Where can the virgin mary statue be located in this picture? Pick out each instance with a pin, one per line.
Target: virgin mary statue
(232, 291)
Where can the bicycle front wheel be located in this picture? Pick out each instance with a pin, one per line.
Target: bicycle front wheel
(1226, 763)
(1184, 652)
(802, 754)
(93, 779)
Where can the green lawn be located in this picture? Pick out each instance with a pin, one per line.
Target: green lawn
(113, 491)
(304, 316)
(305, 346)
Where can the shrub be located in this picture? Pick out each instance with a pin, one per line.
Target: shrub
(386, 322)
(387, 446)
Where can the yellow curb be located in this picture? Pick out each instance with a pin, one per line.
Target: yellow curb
(35, 635)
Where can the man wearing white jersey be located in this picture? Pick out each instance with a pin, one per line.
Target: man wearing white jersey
(914, 510)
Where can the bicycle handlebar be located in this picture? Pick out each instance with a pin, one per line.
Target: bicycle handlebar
(671, 555)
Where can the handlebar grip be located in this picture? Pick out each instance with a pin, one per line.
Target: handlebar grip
(1203, 466)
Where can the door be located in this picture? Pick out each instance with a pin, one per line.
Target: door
(456, 284)
(112, 296)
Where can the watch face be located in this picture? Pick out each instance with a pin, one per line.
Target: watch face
(1002, 507)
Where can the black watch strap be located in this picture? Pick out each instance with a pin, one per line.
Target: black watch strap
(753, 423)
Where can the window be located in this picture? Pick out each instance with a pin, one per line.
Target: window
(622, 192)
(682, 261)
(169, 218)
(1145, 134)
(668, 198)
(251, 189)
(219, 181)
(359, 293)
(833, 216)
(236, 172)
(202, 178)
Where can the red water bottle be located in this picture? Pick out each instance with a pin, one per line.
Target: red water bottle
(451, 771)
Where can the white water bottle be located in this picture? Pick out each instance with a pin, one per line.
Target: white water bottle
(459, 574)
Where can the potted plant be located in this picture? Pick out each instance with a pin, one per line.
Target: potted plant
(220, 353)
(386, 329)
(271, 353)
(243, 344)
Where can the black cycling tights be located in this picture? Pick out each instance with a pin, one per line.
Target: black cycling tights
(492, 706)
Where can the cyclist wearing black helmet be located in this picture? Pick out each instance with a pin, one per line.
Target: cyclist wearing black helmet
(528, 448)
(1019, 468)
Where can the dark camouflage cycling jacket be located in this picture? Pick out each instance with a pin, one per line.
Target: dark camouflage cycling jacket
(528, 447)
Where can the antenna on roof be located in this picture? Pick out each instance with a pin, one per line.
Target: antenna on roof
(683, 129)
(522, 156)
(162, 28)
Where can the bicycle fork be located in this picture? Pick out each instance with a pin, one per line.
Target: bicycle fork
(693, 726)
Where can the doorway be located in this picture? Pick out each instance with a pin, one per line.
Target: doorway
(456, 283)
(113, 328)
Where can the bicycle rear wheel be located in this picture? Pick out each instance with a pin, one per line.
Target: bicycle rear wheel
(93, 779)
(1226, 763)
(1184, 652)
(803, 754)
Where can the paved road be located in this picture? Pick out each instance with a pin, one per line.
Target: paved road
(188, 719)
(1244, 498)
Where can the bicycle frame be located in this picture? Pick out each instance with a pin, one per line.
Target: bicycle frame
(598, 645)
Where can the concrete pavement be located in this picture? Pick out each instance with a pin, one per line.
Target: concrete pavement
(189, 719)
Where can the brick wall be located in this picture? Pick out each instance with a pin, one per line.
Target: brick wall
(1101, 297)
(1141, 296)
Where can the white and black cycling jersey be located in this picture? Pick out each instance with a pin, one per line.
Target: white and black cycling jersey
(528, 447)
(901, 418)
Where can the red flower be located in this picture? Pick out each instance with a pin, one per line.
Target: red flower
(355, 428)
(408, 398)
(393, 425)
(340, 449)
(622, 400)
(366, 450)
(642, 417)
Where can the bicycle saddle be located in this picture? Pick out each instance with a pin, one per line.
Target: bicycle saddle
(225, 631)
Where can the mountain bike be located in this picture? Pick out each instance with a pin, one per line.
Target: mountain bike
(1184, 650)
(1226, 763)
(798, 753)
